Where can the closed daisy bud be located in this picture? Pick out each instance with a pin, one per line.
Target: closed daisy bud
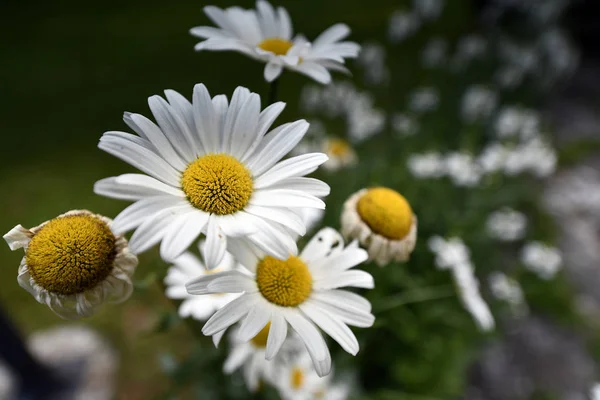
(383, 221)
(74, 263)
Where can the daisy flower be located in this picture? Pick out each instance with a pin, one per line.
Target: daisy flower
(340, 153)
(187, 267)
(546, 261)
(212, 168)
(301, 291)
(265, 34)
(250, 357)
(74, 263)
(382, 220)
(298, 380)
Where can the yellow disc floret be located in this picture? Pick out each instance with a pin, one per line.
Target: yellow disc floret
(338, 147)
(218, 184)
(386, 212)
(276, 46)
(297, 378)
(260, 340)
(71, 254)
(286, 283)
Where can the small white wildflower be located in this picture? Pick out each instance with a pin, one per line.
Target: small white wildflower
(507, 289)
(424, 99)
(462, 169)
(404, 125)
(428, 165)
(402, 25)
(478, 102)
(434, 53)
(454, 255)
(513, 121)
(429, 9)
(493, 158)
(372, 61)
(506, 224)
(541, 259)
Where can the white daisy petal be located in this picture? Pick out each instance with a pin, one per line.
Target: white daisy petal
(316, 71)
(282, 216)
(343, 298)
(229, 314)
(245, 128)
(182, 233)
(349, 315)
(138, 212)
(282, 141)
(244, 253)
(255, 321)
(134, 187)
(184, 109)
(274, 241)
(173, 122)
(272, 71)
(208, 32)
(153, 229)
(205, 119)
(236, 359)
(231, 283)
(141, 158)
(277, 336)
(330, 324)
(200, 285)
(18, 237)
(215, 245)
(308, 185)
(321, 245)
(285, 198)
(292, 167)
(359, 279)
(333, 34)
(157, 137)
(315, 344)
(235, 110)
(265, 120)
(217, 337)
(285, 23)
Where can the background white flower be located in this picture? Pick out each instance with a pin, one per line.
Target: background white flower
(187, 267)
(541, 259)
(265, 34)
(506, 224)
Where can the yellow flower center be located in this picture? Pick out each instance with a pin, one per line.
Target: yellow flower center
(217, 184)
(338, 147)
(276, 46)
(286, 283)
(386, 212)
(71, 254)
(297, 378)
(260, 340)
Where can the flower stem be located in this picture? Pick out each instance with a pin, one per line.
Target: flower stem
(417, 296)
(273, 89)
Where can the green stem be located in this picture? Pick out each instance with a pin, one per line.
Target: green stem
(273, 89)
(417, 296)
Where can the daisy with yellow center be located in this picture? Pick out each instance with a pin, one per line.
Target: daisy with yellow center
(301, 291)
(265, 34)
(214, 167)
(74, 263)
(298, 380)
(186, 267)
(383, 221)
(340, 153)
(249, 356)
